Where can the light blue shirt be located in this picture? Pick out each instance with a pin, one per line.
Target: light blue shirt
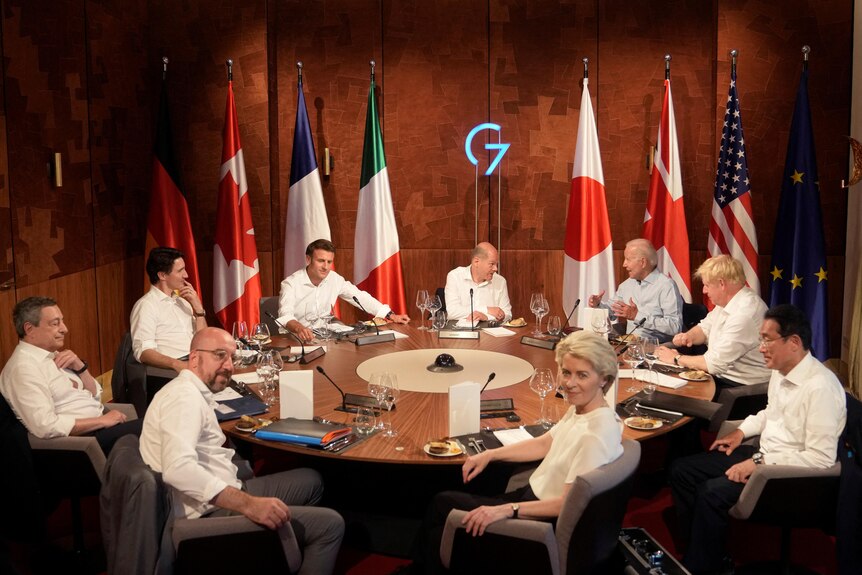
(659, 305)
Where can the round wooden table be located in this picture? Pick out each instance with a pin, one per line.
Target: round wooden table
(422, 417)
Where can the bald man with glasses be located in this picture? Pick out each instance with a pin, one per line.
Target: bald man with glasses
(183, 441)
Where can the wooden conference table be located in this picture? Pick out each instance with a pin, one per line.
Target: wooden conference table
(422, 417)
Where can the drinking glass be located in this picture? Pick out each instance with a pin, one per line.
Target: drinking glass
(240, 333)
(421, 298)
(439, 320)
(260, 334)
(539, 307)
(264, 370)
(324, 316)
(555, 327)
(650, 382)
(377, 390)
(634, 356)
(542, 383)
(389, 398)
(600, 324)
(432, 304)
(364, 422)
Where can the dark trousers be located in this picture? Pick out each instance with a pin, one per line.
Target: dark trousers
(702, 495)
(108, 436)
(426, 554)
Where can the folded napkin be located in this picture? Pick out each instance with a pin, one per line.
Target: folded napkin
(340, 328)
(498, 331)
(644, 375)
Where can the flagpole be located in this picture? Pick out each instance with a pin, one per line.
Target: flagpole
(667, 66)
(733, 54)
(299, 71)
(164, 67)
(229, 64)
(806, 50)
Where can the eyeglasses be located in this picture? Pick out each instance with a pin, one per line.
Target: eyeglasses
(765, 342)
(219, 354)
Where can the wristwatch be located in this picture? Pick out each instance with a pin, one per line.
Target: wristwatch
(84, 368)
(676, 359)
(388, 315)
(201, 314)
(515, 508)
(757, 458)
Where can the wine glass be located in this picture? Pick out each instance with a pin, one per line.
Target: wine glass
(600, 324)
(650, 383)
(324, 316)
(439, 320)
(634, 356)
(377, 390)
(432, 304)
(421, 298)
(240, 332)
(390, 380)
(555, 327)
(543, 311)
(542, 383)
(260, 334)
(312, 314)
(264, 370)
(538, 306)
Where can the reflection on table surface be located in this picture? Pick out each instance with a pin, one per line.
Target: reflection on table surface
(422, 417)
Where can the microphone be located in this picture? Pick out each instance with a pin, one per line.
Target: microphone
(364, 400)
(567, 328)
(365, 340)
(637, 326)
(491, 376)
(472, 327)
(303, 357)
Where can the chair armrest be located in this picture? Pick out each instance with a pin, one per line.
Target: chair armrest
(184, 529)
(88, 445)
(729, 393)
(538, 531)
(757, 483)
(728, 426)
(126, 409)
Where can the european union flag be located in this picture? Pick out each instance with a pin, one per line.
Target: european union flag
(798, 255)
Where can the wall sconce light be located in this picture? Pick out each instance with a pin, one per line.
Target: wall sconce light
(55, 170)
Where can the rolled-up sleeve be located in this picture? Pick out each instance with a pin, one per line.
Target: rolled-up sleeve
(287, 301)
(737, 339)
(143, 328)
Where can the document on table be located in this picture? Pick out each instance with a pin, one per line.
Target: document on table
(308, 349)
(498, 331)
(644, 374)
(512, 436)
(398, 334)
(226, 394)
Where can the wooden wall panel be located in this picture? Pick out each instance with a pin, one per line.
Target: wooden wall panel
(118, 287)
(76, 297)
(536, 52)
(8, 337)
(124, 83)
(46, 112)
(435, 57)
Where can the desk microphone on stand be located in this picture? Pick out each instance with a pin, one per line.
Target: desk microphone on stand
(349, 398)
(472, 326)
(568, 328)
(367, 339)
(304, 358)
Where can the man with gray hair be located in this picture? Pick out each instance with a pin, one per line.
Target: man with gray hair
(648, 295)
(490, 294)
(50, 388)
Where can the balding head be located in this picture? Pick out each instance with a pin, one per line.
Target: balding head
(211, 357)
(484, 263)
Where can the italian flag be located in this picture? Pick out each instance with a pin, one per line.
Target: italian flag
(377, 258)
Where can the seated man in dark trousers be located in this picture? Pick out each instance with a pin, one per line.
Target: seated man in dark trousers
(50, 388)
(803, 418)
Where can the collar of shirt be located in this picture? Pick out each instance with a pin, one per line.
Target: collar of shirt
(468, 276)
(37, 352)
(737, 301)
(200, 385)
(799, 374)
(162, 296)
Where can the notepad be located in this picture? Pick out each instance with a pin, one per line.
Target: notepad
(512, 436)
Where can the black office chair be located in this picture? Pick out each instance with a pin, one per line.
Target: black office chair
(268, 304)
(441, 293)
(692, 313)
(129, 378)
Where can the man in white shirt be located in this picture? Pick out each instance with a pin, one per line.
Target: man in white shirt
(803, 419)
(182, 440)
(730, 329)
(165, 319)
(311, 292)
(490, 294)
(648, 295)
(49, 388)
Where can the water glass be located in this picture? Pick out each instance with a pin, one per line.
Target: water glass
(390, 396)
(600, 324)
(555, 327)
(650, 383)
(634, 356)
(364, 422)
(377, 390)
(439, 320)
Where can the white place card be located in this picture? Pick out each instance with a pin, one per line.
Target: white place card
(464, 408)
(296, 394)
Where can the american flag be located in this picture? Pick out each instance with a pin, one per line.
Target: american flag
(731, 228)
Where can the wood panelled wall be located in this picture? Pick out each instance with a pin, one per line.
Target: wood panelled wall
(82, 78)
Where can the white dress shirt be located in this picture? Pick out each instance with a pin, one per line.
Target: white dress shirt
(45, 398)
(733, 336)
(494, 293)
(659, 305)
(182, 440)
(299, 298)
(804, 416)
(165, 323)
(580, 444)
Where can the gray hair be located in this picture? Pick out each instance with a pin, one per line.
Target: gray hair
(29, 310)
(644, 248)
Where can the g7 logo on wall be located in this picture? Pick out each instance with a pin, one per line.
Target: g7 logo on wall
(503, 148)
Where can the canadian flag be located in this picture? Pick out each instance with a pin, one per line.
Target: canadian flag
(236, 269)
(664, 220)
(589, 263)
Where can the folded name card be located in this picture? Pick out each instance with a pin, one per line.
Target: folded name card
(296, 394)
(464, 408)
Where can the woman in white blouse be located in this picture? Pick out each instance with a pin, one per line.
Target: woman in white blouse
(587, 437)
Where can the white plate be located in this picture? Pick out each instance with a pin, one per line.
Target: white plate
(685, 377)
(631, 422)
(453, 450)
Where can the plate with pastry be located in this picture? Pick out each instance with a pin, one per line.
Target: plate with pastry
(378, 321)
(643, 423)
(519, 322)
(247, 424)
(442, 448)
(694, 375)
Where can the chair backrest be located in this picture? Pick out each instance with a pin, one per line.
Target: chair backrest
(589, 523)
(21, 498)
(129, 379)
(441, 293)
(692, 313)
(270, 304)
